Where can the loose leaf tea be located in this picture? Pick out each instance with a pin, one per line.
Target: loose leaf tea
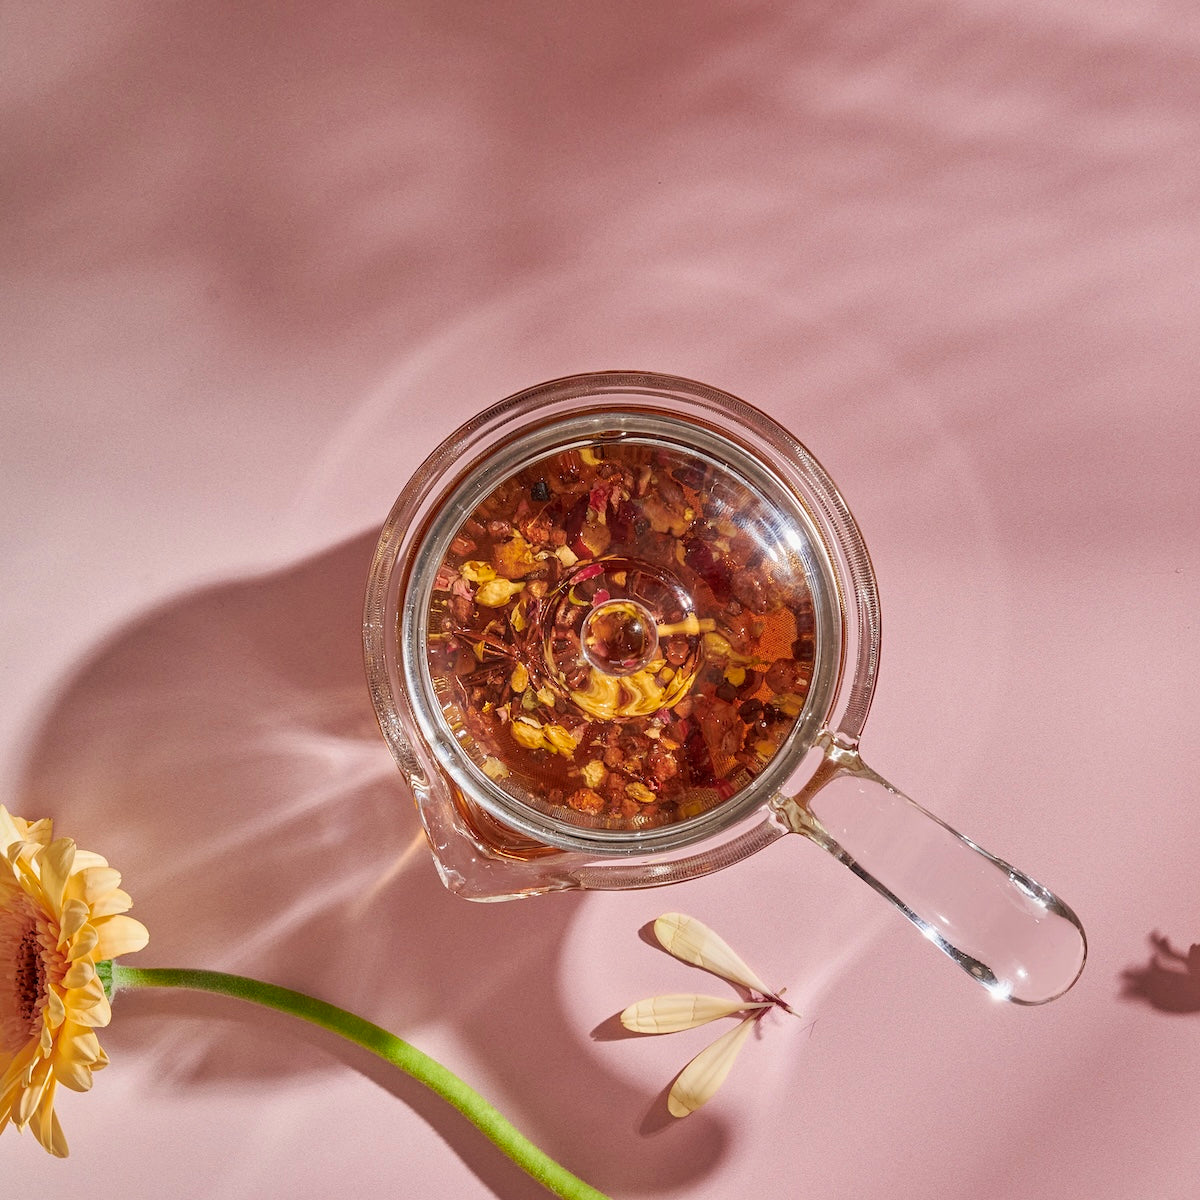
(620, 634)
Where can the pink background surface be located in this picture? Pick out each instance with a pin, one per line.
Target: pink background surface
(257, 260)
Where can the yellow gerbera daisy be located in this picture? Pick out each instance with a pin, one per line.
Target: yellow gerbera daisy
(60, 917)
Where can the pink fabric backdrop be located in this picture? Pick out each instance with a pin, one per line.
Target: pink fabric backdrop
(258, 259)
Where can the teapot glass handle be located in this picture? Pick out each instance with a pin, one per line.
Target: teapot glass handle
(1006, 930)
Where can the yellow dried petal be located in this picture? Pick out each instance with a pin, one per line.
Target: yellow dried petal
(519, 678)
(517, 618)
(693, 942)
(497, 592)
(717, 645)
(699, 1080)
(689, 626)
(477, 572)
(559, 740)
(640, 792)
(528, 733)
(670, 1014)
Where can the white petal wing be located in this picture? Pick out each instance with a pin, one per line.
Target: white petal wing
(706, 1072)
(693, 942)
(670, 1014)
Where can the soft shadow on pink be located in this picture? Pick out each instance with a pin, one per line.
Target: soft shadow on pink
(1170, 980)
(222, 752)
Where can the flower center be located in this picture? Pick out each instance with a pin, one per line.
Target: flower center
(29, 966)
(30, 978)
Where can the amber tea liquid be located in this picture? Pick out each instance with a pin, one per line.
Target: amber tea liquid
(619, 636)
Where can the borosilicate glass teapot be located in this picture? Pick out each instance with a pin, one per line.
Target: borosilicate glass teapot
(621, 630)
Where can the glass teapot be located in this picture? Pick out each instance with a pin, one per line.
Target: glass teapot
(621, 630)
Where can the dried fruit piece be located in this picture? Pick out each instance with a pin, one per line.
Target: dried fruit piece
(493, 768)
(514, 559)
(594, 773)
(585, 800)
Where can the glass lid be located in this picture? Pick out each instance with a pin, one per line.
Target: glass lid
(618, 625)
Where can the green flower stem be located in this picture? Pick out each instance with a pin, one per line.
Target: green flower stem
(387, 1046)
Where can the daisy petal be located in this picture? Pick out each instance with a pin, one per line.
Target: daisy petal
(85, 860)
(90, 883)
(75, 1059)
(706, 1072)
(95, 1016)
(111, 903)
(80, 973)
(56, 861)
(10, 831)
(31, 1097)
(45, 1127)
(38, 832)
(119, 935)
(669, 1014)
(89, 1005)
(74, 917)
(693, 942)
(83, 943)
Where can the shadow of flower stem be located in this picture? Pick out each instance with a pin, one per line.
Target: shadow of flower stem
(378, 1041)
